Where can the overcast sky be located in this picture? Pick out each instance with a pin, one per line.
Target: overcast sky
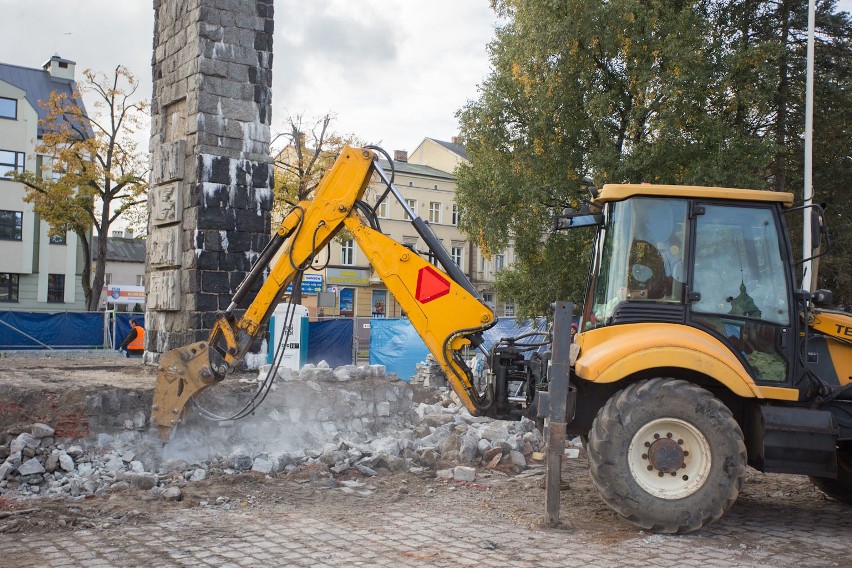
(393, 71)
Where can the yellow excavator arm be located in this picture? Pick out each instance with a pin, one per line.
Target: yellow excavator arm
(442, 305)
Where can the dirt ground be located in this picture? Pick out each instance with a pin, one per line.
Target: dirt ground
(499, 493)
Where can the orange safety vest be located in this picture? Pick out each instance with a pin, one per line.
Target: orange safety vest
(138, 343)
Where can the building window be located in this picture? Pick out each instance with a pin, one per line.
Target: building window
(509, 309)
(458, 255)
(11, 162)
(455, 220)
(8, 108)
(434, 212)
(60, 239)
(8, 287)
(498, 262)
(347, 253)
(107, 279)
(140, 279)
(118, 234)
(11, 225)
(382, 208)
(488, 298)
(412, 204)
(56, 288)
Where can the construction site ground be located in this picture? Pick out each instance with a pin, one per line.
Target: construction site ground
(399, 519)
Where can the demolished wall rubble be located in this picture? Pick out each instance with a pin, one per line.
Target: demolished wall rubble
(344, 423)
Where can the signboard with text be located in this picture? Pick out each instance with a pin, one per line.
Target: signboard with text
(311, 284)
(124, 294)
(347, 277)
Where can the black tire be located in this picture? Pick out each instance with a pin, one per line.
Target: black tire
(840, 488)
(633, 455)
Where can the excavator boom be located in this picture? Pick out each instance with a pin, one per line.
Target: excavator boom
(441, 305)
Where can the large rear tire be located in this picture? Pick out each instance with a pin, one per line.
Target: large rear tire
(840, 488)
(667, 455)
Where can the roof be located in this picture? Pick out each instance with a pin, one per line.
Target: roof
(415, 169)
(120, 249)
(618, 192)
(38, 85)
(453, 147)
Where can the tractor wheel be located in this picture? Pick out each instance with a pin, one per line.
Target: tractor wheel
(667, 455)
(840, 488)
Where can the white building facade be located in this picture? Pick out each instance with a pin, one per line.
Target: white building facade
(37, 272)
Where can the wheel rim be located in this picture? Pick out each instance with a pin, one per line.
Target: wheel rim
(669, 458)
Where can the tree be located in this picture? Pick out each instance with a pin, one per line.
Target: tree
(310, 149)
(95, 170)
(691, 92)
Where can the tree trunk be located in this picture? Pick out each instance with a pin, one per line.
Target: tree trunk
(86, 275)
(93, 299)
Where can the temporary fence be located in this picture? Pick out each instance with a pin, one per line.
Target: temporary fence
(395, 344)
(339, 341)
(58, 330)
(64, 330)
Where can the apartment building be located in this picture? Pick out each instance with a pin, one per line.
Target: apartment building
(428, 186)
(37, 272)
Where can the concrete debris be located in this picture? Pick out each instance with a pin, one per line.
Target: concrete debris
(42, 430)
(464, 473)
(319, 424)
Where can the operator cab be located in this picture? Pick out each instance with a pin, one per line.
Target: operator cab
(713, 258)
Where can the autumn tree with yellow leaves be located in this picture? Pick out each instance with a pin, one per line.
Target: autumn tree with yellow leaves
(93, 171)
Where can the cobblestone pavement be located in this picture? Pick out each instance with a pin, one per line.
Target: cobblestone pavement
(452, 527)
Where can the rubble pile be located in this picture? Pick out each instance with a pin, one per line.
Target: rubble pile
(342, 424)
(429, 374)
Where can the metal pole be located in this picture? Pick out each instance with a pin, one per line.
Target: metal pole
(557, 397)
(807, 246)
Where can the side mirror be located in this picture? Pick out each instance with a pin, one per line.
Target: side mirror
(590, 185)
(822, 298)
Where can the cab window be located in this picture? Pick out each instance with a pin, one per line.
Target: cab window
(740, 288)
(639, 256)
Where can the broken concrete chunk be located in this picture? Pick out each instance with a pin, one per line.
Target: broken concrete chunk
(66, 462)
(143, 481)
(24, 439)
(262, 465)
(517, 458)
(365, 470)
(31, 466)
(464, 473)
(198, 475)
(74, 451)
(173, 493)
(6, 470)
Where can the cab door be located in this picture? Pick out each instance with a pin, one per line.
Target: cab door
(740, 286)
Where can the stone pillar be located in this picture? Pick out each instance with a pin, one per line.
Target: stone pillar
(210, 198)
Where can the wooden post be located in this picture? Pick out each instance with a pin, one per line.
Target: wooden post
(557, 398)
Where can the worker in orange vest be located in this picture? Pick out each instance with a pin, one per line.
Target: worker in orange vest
(134, 343)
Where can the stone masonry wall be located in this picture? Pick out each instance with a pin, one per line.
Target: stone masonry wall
(210, 197)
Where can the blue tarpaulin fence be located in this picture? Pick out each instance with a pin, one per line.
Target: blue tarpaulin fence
(62, 330)
(395, 344)
(122, 326)
(330, 341)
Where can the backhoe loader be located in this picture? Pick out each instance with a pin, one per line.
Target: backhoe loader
(696, 356)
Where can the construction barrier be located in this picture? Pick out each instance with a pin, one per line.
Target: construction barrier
(61, 330)
(395, 344)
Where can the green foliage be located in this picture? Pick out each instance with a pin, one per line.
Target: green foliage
(660, 91)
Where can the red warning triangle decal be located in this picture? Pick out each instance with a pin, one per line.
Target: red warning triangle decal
(430, 285)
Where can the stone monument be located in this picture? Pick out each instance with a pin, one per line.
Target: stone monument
(210, 198)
